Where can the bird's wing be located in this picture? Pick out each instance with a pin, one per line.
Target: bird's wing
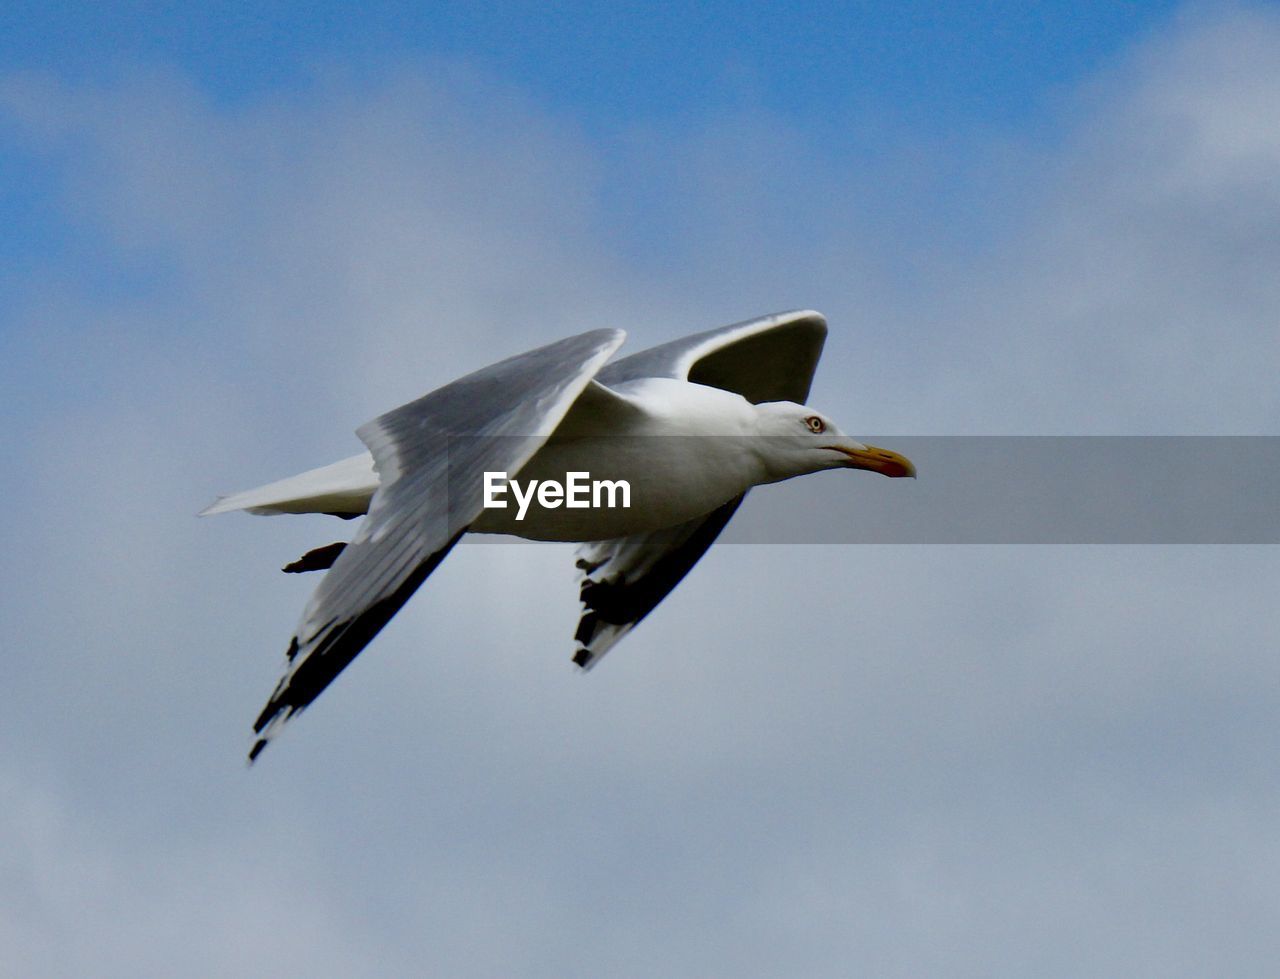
(430, 456)
(771, 358)
(623, 580)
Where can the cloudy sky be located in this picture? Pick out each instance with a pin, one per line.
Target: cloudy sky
(231, 238)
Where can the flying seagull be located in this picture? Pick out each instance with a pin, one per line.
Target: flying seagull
(689, 426)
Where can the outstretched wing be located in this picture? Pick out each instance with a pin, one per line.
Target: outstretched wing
(430, 456)
(771, 358)
(622, 580)
(767, 359)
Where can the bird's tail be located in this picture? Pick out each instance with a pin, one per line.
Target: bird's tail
(342, 489)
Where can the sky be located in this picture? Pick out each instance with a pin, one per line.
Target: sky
(232, 238)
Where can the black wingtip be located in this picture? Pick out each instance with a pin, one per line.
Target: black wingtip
(583, 658)
(317, 559)
(586, 630)
(256, 750)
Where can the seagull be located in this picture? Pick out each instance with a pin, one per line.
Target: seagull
(689, 426)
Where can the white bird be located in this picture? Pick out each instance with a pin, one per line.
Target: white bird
(690, 426)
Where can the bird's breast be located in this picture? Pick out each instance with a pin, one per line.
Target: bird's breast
(614, 486)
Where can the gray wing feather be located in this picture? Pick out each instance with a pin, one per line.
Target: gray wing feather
(771, 358)
(429, 455)
(623, 580)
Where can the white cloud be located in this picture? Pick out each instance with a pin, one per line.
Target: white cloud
(1136, 297)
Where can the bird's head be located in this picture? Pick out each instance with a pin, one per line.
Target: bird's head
(800, 440)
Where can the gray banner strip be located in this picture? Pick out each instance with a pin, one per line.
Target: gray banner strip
(1027, 490)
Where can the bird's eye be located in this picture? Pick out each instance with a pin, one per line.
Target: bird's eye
(816, 424)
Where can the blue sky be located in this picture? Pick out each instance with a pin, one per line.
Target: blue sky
(852, 76)
(941, 65)
(233, 235)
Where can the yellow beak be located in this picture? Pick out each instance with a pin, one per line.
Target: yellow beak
(883, 461)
